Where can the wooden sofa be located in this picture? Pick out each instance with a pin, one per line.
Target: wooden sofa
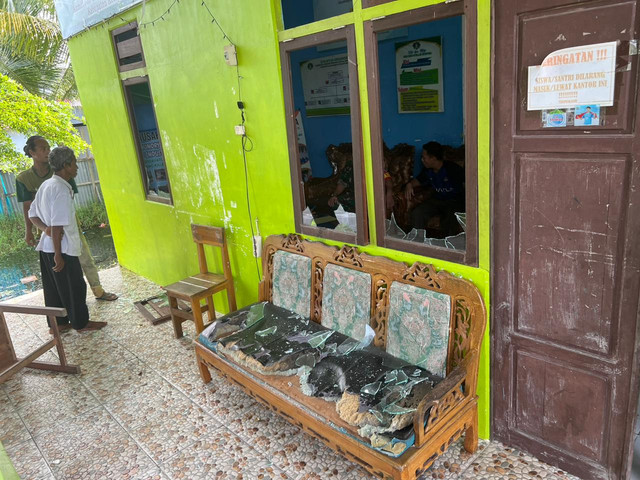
(394, 293)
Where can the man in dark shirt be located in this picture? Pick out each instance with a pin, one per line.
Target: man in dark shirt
(447, 180)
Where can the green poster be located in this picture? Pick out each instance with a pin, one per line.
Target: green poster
(419, 76)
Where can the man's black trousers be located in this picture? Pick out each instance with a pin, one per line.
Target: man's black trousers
(65, 289)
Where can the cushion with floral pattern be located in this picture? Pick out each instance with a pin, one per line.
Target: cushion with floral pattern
(292, 282)
(418, 330)
(346, 300)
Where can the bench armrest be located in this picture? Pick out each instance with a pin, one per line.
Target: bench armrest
(445, 396)
(32, 310)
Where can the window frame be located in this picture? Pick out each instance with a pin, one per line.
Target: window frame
(133, 124)
(118, 31)
(405, 19)
(286, 47)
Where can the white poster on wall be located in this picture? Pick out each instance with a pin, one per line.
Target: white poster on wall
(419, 76)
(325, 82)
(573, 76)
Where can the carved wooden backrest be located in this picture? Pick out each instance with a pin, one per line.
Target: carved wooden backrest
(468, 314)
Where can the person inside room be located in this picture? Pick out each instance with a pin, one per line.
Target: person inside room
(446, 180)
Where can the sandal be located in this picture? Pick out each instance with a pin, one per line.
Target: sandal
(109, 297)
(92, 326)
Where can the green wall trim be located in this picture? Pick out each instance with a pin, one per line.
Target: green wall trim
(138, 72)
(195, 95)
(315, 27)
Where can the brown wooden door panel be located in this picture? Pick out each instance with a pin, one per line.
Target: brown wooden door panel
(568, 227)
(546, 396)
(566, 260)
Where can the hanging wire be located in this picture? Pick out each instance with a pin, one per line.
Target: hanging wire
(160, 17)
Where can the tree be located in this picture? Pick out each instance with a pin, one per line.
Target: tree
(32, 51)
(29, 114)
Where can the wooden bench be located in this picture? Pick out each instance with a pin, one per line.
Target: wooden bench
(333, 290)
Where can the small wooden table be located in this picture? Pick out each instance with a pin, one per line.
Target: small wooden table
(10, 364)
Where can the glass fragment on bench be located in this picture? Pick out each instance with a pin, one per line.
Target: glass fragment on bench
(374, 391)
(233, 322)
(267, 331)
(318, 339)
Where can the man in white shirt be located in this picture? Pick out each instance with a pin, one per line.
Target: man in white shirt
(60, 246)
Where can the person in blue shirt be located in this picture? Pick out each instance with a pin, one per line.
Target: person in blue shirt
(447, 181)
(588, 116)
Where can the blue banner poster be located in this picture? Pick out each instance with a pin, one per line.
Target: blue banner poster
(153, 159)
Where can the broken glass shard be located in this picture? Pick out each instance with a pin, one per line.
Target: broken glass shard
(307, 360)
(256, 313)
(397, 410)
(267, 331)
(317, 340)
(371, 388)
(348, 346)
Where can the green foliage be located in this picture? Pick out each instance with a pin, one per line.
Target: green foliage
(32, 51)
(12, 235)
(92, 215)
(30, 114)
(12, 227)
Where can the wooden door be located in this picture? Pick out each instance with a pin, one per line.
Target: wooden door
(565, 246)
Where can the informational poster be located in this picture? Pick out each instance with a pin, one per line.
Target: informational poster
(305, 162)
(77, 15)
(572, 77)
(153, 159)
(419, 76)
(325, 82)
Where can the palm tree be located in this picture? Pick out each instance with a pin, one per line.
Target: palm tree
(32, 51)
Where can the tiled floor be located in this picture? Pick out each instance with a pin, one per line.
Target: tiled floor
(139, 410)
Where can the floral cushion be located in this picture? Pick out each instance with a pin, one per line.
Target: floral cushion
(346, 300)
(292, 282)
(419, 326)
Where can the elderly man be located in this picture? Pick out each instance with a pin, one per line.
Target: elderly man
(27, 184)
(60, 246)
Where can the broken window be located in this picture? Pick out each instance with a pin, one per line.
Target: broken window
(421, 72)
(320, 82)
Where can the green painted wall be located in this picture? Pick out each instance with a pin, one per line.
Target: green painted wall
(195, 95)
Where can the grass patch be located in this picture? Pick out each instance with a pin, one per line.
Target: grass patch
(12, 227)
(92, 215)
(12, 235)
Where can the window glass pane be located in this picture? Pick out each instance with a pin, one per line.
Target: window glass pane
(146, 129)
(301, 12)
(320, 79)
(421, 71)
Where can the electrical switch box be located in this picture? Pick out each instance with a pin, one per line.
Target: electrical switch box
(239, 130)
(230, 55)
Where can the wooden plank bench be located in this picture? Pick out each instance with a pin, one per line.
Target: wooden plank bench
(337, 290)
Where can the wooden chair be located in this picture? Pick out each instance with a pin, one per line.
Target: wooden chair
(10, 364)
(202, 286)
